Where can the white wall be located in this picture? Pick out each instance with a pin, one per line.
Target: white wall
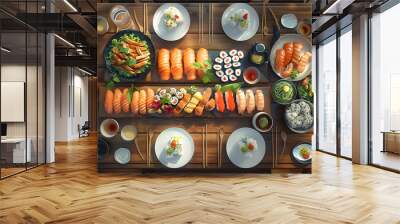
(71, 94)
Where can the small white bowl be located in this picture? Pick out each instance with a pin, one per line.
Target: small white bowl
(249, 81)
(270, 122)
(125, 130)
(104, 128)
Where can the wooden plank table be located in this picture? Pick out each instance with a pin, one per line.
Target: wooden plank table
(205, 31)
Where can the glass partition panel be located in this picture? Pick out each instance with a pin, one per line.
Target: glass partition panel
(346, 94)
(327, 96)
(385, 89)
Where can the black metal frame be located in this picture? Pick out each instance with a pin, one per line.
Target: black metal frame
(44, 70)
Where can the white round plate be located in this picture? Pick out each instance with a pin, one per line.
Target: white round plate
(122, 155)
(239, 158)
(289, 20)
(291, 38)
(175, 33)
(187, 148)
(232, 30)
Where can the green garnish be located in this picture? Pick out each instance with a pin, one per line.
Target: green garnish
(209, 74)
(191, 90)
(131, 61)
(233, 87)
(283, 92)
(294, 74)
(263, 122)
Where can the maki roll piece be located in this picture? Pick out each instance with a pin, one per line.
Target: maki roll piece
(183, 90)
(227, 65)
(168, 96)
(238, 72)
(224, 78)
(229, 71)
(227, 60)
(240, 54)
(172, 91)
(232, 78)
(233, 52)
(223, 54)
(162, 92)
(218, 60)
(179, 94)
(236, 64)
(217, 67)
(219, 73)
(235, 58)
(174, 100)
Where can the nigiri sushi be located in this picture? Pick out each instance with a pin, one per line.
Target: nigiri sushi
(240, 101)
(259, 100)
(230, 101)
(219, 98)
(250, 101)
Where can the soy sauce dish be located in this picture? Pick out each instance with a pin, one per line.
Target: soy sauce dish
(262, 122)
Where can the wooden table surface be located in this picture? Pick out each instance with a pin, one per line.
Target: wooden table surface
(205, 31)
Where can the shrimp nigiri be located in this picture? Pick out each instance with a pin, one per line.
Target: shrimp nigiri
(240, 101)
(259, 100)
(251, 104)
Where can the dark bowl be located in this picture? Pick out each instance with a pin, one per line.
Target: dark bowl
(125, 76)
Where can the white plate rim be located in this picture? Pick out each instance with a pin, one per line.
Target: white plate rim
(255, 132)
(156, 18)
(251, 10)
(159, 150)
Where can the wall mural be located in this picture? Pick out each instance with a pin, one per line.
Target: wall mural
(205, 87)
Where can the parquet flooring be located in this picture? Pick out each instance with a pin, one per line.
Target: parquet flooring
(71, 191)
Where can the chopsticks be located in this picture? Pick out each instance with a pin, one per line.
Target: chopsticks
(136, 20)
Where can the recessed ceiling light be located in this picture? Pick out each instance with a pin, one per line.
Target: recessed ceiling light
(5, 50)
(70, 5)
(65, 41)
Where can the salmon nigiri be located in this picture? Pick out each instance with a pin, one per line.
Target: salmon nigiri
(219, 99)
(230, 100)
(125, 100)
(117, 100)
(188, 61)
(108, 101)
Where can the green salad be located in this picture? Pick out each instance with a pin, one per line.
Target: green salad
(283, 92)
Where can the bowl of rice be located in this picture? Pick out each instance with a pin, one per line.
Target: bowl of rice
(299, 116)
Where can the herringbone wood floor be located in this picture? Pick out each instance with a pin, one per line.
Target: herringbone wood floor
(71, 191)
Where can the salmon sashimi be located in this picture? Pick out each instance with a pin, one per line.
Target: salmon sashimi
(304, 61)
(297, 48)
(280, 60)
(288, 47)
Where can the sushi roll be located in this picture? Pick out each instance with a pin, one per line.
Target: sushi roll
(183, 91)
(238, 72)
(217, 67)
(219, 73)
(224, 78)
(227, 65)
(227, 60)
(172, 91)
(174, 100)
(235, 58)
(232, 78)
(233, 52)
(236, 64)
(156, 97)
(240, 54)
(229, 71)
(218, 60)
(179, 94)
(168, 96)
(162, 92)
(223, 54)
